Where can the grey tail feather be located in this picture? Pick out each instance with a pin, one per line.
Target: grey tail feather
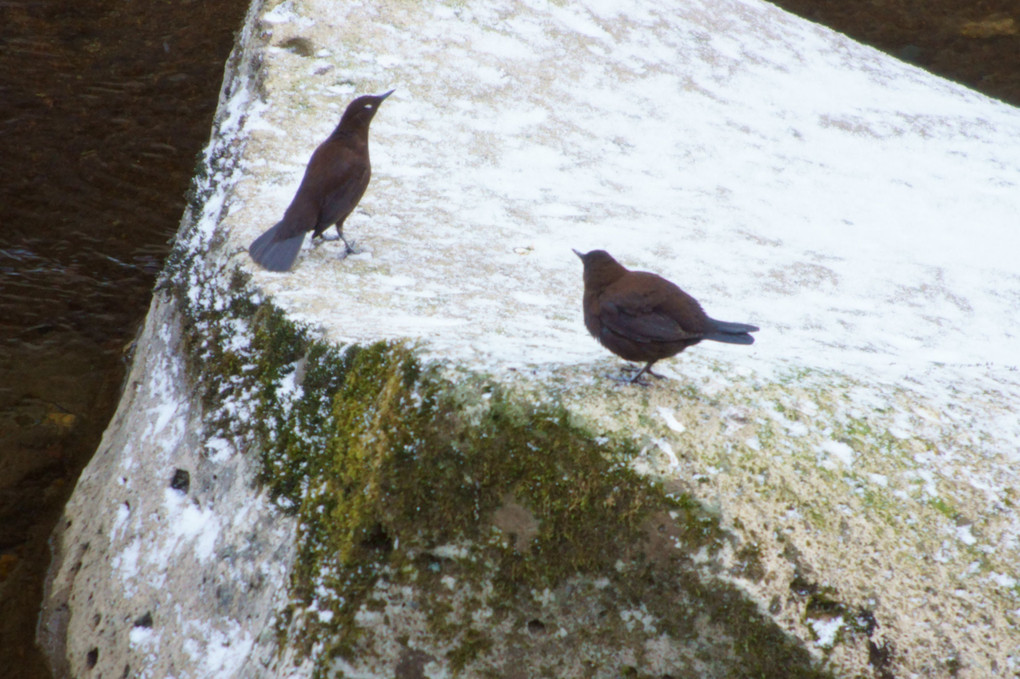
(273, 254)
(732, 333)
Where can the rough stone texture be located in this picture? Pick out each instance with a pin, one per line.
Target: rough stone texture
(873, 517)
(852, 494)
(150, 581)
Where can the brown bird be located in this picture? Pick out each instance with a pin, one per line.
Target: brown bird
(335, 180)
(640, 316)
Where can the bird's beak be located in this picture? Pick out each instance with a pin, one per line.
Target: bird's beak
(383, 96)
(579, 254)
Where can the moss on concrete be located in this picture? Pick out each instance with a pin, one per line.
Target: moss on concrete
(448, 516)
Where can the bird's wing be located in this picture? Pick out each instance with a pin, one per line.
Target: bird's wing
(342, 200)
(645, 307)
(641, 323)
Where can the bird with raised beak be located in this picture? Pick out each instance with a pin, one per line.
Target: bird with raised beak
(335, 180)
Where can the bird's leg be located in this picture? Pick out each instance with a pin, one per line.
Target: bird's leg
(625, 379)
(646, 369)
(323, 237)
(348, 246)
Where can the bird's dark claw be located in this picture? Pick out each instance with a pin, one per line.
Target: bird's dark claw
(349, 248)
(636, 379)
(647, 370)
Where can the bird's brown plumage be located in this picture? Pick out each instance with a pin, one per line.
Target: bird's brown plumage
(640, 316)
(335, 180)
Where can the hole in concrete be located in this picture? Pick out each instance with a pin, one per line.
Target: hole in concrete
(181, 481)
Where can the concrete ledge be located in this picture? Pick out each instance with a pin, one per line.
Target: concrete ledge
(415, 462)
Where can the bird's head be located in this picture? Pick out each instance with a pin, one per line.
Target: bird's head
(600, 269)
(360, 112)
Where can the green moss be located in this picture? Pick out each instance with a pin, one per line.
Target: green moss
(398, 473)
(416, 463)
(749, 563)
(473, 644)
(942, 507)
(767, 435)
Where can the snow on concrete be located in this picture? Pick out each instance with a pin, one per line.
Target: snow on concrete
(169, 582)
(862, 212)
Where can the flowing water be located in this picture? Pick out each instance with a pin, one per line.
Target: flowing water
(104, 106)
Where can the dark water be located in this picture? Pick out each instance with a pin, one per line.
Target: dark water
(104, 105)
(974, 42)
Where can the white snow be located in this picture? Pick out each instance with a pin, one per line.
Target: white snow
(190, 523)
(964, 535)
(879, 479)
(862, 212)
(225, 653)
(825, 630)
(126, 561)
(669, 418)
(219, 449)
(141, 636)
(837, 450)
(668, 451)
(119, 519)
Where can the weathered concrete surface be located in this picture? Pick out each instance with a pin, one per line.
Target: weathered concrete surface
(858, 466)
(169, 562)
(156, 574)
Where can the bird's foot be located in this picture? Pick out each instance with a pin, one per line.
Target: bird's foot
(349, 248)
(627, 379)
(647, 370)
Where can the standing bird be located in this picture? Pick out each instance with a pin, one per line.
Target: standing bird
(640, 316)
(335, 180)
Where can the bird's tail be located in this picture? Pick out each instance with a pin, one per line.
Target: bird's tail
(274, 254)
(732, 333)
